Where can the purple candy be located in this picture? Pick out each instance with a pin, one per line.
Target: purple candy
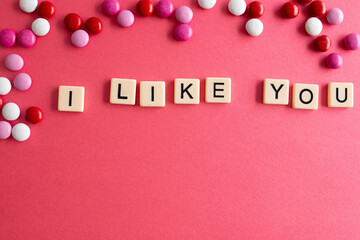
(80, 38)
(334, 61)
(26, 38)
(164, 8)
(335, 16)
(352, 41)
(14, 62)
(7, 38)
(125, 18)
(5, 130)
(184, 14)
(111, 7)
(183, 32)
(22, 81)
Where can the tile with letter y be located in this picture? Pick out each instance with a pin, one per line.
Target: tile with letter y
(276, 91)
(187, 91)
(218, 90)
(340, 95)
(305, 96)
(71, 99)
(123, 91)
(152, 94)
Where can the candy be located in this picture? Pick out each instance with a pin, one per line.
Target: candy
(304, 1)
(11, 111)
(322, 43)
(237, 7)
(20, 132)
(34, 115)
(125, 18)
(73, 21)
(313, 26)
(111, 7)
(183, 32)
(164, 8)
(80, 38)
(46, 9)
(1, 103)
(22, 81)
(28, 6)
(207, 4)
(14, 62)
(5, 130)
(317, 9)
(255, 9)
(335, 16)
(254, 27)
(352, 41)
(334, 61)
(184, 14)
(26, 38)
(5, 86)
(40, 27)
(145, 7)
(93, 25)
(7, 38)
(290, 10)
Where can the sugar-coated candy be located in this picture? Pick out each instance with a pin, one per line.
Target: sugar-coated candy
(183, 32)
(73, 21)
(290, 10)
(313, 26)
(125, 18)
(237, 7)
(46, 9)
(111, 7)
(20, 132)
(352, 41)
(335, 16)
(80, 38)
(93, 25)
(184, 14)
(334, 61)
(5, 130)
(14, 62)
(5, 86)
(254, 27)
(145, 7)
(28, 6)
(207, 4)
(22, 81)
(164, 8)
(34, 115)
(7, 38)
(322, 43)
(26, 38)
(255, 9)
(11, 111)
(40, 27)
(317, 9)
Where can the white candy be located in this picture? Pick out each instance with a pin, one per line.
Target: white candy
(40, 27)
(313, 26)
(5, 86)
(20, 132)
(28, 6)
(237, 7)
(11, 111)
(207, 4)
(254, 27)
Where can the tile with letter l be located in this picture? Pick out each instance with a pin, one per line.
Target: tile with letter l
(71, 99)
(123, 91)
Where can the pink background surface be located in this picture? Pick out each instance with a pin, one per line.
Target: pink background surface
(211, 171)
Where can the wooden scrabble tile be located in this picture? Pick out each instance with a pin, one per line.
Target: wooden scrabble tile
(276, 91)
(305, 96)
(218, 90)
(187, 91)
(152, 94)
(341, 95)
(123, 91)
(71, 99)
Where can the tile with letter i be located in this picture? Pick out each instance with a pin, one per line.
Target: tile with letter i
(152, 94)
(276, 91)
(71, 99)
(340, 95)
(305, 96)
(218, 90)
(122, 91)
(187, 91)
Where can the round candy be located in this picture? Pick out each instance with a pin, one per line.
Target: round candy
(313, 26)
(322, 43)
(164, 8)
(335, 16)
(40, 27)
(14, 62)
(73, 21)
(184, 14)
(80, 38)
(237, 7)
(5, 130)
(20, 132)
(290, 10)
(254, 27)
(26, 38)
(304, 1)
(334, 61)
(125, 18)
(207, 4)
(111, 7)
(34, 115)
(28, 6)
(183, 32)
(11, 111)
(46, 9)
(1, 103)
(5, 86)
(317, 9)
(352, 41)
(7, 38)
(22, 81)
(93, 25)
(255, 9)
(145, 7)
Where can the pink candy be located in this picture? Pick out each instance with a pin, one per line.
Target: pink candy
(26, 38)
(22, 81)
(183, 32)
(164, 8)
(7, 38)
(111, 7)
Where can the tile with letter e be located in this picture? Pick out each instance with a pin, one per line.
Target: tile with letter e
(187, 91)
(305, 96)
(123, 91)
(152, 94)
(71, 99)
(340, 95)
(218, 90)
(276, 91)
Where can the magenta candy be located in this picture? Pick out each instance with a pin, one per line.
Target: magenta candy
(335, 16)
(164, 8)
(184, 14)
(183, 32)
(111, 7)
(7, 38)
(80, 38)
(334, 61)
(125, 18)
(22, 81)
(352, 41)
(26, 38)
(5, 130)
(14, 62)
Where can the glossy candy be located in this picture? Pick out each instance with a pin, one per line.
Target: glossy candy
(317, 9)
(164, 8)
(34, 115)
(20, 132)
(313, 26)
(14, 62)
(11, 111)
(7, 38)
(125, 18)
(145, 7)
(255, 9)
(73, 21)
(22, 81)
(28, 6)
(206, 4)
(322, 43)
(80, 38)
(5, 130)
(40, 27)
(46, 9)
(335, 16)
(26, 38)
(254, 27)
(1, 103)
(237, 7)
(290, 10)
(93, 25)
(183, 32)
(111, 7)
(352, 41)
(184, 14)
(334, 61)
(5, 86)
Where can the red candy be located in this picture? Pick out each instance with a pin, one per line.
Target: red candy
(322, 43)
(93, 25)
(290, 10)
(255, 9)
(46, 9)
(145, 7)
(73, 22)
(304, 1)
(1, 103)
(34, 115)
(317, 9)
